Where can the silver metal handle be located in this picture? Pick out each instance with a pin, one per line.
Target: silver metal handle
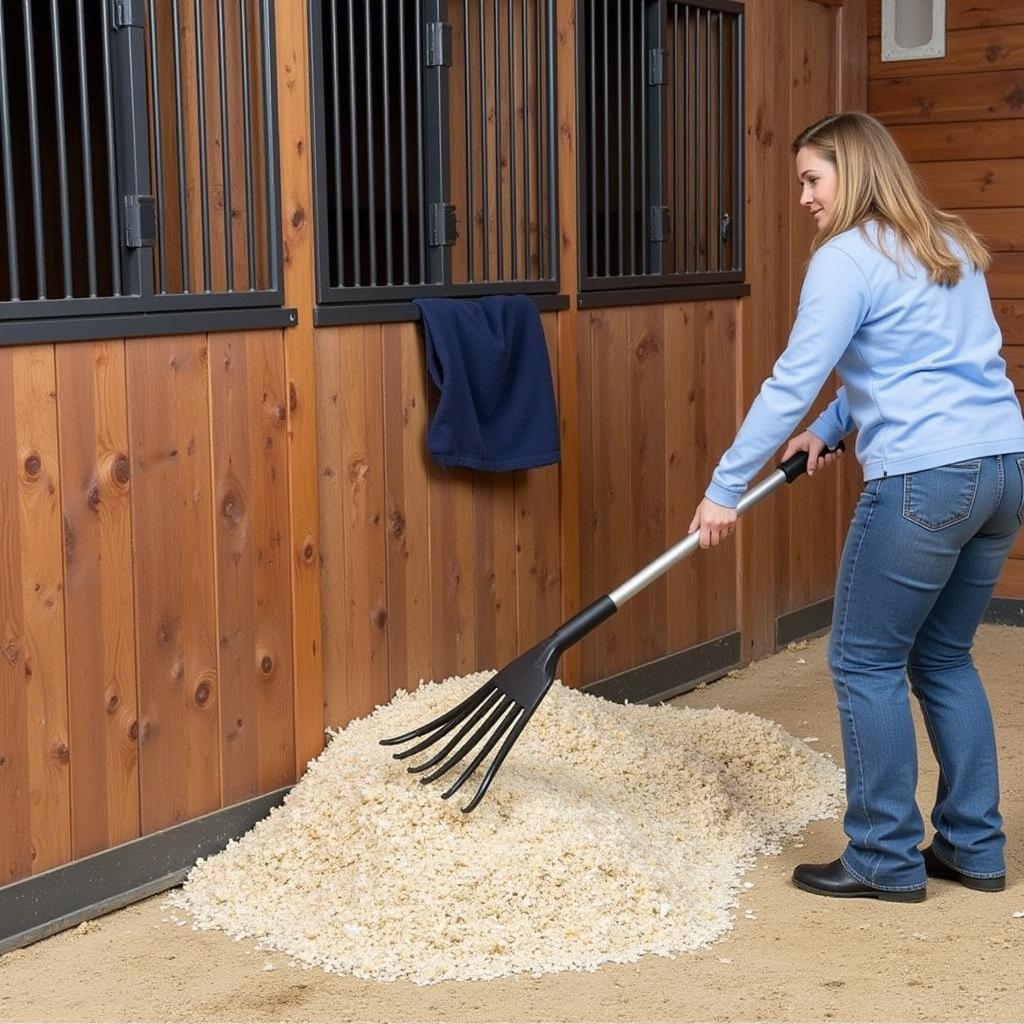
(647, 575)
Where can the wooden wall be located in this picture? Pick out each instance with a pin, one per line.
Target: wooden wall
(960, 121)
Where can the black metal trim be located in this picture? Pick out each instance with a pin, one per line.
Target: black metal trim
(725, 6)
(398, 312)
(811, 620)
(145, 325)
(672, 675)
(54, 900)
(1005, 611)
(655, 296)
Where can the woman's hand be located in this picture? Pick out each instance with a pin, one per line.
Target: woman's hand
(814, 446)
(715, 522)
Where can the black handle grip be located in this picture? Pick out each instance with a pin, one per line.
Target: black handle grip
(796, 465)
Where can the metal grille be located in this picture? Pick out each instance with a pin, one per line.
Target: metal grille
(435, 167)
(661, 125)
(143, 175)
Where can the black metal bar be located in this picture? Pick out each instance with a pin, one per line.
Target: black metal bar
(707, 140)
(108, 117)
(425, 269)
(357, 275)
(538, 119)
(204, 176)
(738, 173)
(371, 170)
(525, 61)
(683, 216)
(339, 227)
(500, 213)
(158, 140)
(554, 233)
(405, 147)
(8, 153)
(486, 234)
(389, 264)
(270, 135)
(621, 263)
(62, 152)
(403, 311)
(721, 143)
(179, 116)
(438, 155)
(676, 291)
(695, 155)
(225, 149)
(632, 137)
(34, 158)
(592, 248)
(250, 220)
(607, 150)
(656, 139)
(644, 146)
(674, 121)
(513, 222)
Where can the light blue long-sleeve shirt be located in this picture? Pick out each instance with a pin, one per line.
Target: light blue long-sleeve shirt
(924, 384)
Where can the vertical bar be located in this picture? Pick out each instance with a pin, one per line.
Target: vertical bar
(204, 177)
(438, 156)
(695, 155)
(371, 170)
(721, 145)
(33, 127)
(158, 141)
(268, 50)
(607, 150)
(674, 120)
(554, 233)
(5, 133)
(405, 146)
(621, 266)
(707, 140)
(339, 209)
(655, 135)
(538, 120)
(513, 225)
(357, 274)
(389, 263)
(468, 101)
(632, 139)
(62, 153)
(483, 137)
(738, 174)
(250, 226)
(497, 146)
(527, 205)
(683, 227)
(592, 147)
(225, 152)
(186, 259)
(644, 144)
(424, 270)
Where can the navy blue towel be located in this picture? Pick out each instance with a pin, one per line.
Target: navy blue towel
(489, 360)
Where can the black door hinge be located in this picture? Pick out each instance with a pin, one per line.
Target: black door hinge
(442, 224)
(139, 221)
(439, 44)
(127, 13)
(659, 223)
(657, 67)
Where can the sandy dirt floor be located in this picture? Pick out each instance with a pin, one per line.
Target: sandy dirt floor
(959, 956)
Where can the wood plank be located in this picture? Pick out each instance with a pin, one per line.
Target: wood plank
(989, 95)
(1010, 317)
(406, 475)
(1014, 356)
(588, 506)
(570, 332)
(174, 573)
(614, 552)
(496, 608)
(538, 534)
(363, 524)
(1000, 228)
(647, 400)
(100, 603)
(292, 67)
(962, 140)
(967, 51)
(1006, 275)
(251, 505)
(969, 184)
(853, 62)
(963, 14)
(35, 744)
(1011, 582)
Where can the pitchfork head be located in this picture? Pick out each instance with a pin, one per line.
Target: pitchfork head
(499, 708)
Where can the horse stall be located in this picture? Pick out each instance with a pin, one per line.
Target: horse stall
(229, 564)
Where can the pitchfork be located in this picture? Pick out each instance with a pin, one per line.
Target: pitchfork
(507, 701)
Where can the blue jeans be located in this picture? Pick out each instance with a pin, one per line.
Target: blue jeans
(920, 562)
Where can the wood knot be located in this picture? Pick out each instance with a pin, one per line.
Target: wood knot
(293, 397)
(281, 412)
(396, 524)
(3, 761)
(266, 665)
(122, 470)
(32, 465)
(92, 496)
(112, 703)
(133, 731)
(62, 753)
(379, 618)
(308, 551)
(202, 693)
(298, 217)
(12, 652)
(358, 470)
(232, 509)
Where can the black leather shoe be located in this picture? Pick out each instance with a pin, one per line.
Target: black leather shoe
(834, 880)
(940, 869)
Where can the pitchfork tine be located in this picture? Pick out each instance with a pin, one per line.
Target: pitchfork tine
(456, 712)
(497, 762)
(510, 717)
(466, 747)
(444, 751)
(442, 732)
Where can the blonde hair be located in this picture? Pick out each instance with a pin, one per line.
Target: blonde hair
(877, 183)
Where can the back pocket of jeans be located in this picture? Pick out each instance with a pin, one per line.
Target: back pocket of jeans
(941, 497)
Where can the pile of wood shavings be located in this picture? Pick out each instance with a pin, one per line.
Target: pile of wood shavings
(610, 832)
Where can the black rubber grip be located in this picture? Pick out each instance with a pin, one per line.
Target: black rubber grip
(796, 465)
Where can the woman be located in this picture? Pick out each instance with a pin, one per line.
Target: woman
(895, 299)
